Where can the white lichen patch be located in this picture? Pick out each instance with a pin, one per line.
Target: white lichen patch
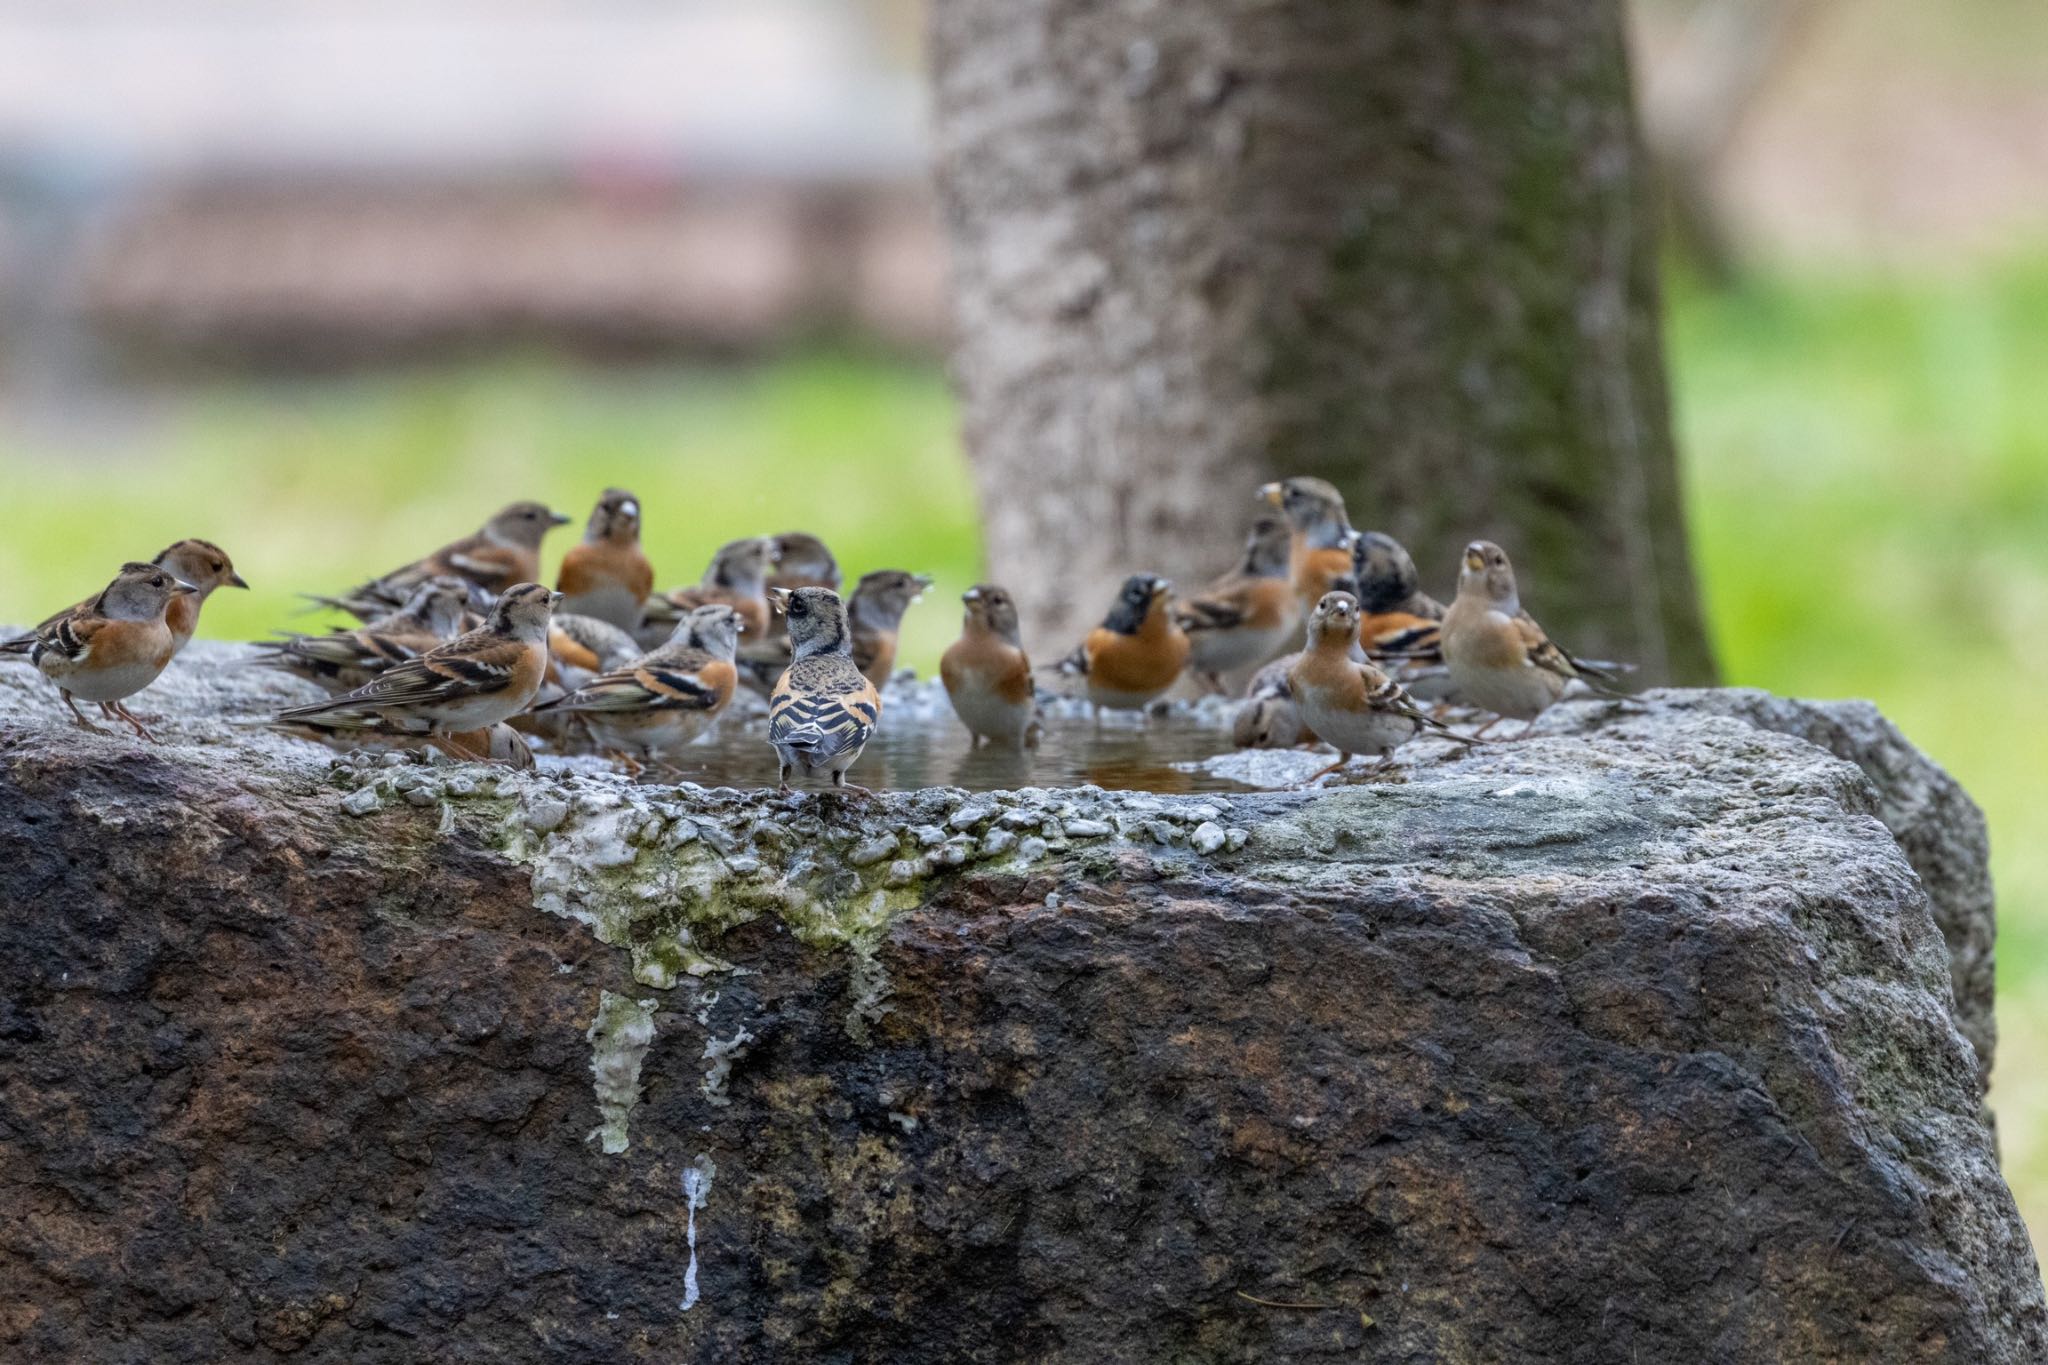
(619, 1038)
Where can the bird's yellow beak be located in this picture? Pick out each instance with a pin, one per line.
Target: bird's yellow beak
(778, 598)
(1474, 561)
(1272, 493)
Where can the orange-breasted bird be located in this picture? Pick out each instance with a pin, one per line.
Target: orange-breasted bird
(1248, 615)
(1498, 658)
(1348, 702)
(606, 575)
(875, 613)
(437, 611)
(469, 684)
(986, 673)
(506, 551)
(1136, 654)
(109, 647)
(201, 564)
(1321, 546)
(737, 577)
(653, 706)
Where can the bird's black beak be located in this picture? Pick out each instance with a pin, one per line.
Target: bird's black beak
(557, 519)
(235, 581)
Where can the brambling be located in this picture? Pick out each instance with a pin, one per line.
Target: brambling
(666, 698)
(606, 576)
(803, 561)
(986, 673)
(438, 610)
(109, 647)
(1321, 545)
(737, 577)
(1267, 717)
(506, 551)
(1246, 616)
(824, 709)
(1401, 625)
(1498, 658)
(470, 683)
(876, 613)
(201, 564)
(1136, 654)
(1347, 701)
(581, 647)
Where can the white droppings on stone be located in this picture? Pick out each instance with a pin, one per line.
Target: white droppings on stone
(696, 1191)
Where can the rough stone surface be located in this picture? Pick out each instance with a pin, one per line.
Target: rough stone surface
(1631, 1042)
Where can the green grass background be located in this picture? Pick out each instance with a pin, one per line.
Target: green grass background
(1866, 460)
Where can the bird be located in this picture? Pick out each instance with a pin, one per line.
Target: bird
(1246, 616)
(1497, 657)
(824, 709)
(111, 646)
(1266, 717)
(803, 561)
(1400, 625)
(466, 685)
(201, 564)
(986, 673)
(506, 551)
(665, 698)
(438, 610)
(1320, 548)
(737, 577)
(1137, 653)
(606, 576)
(1348, 702)
(875, 612)
(581, 647)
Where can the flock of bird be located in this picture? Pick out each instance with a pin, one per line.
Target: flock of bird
(464, 649)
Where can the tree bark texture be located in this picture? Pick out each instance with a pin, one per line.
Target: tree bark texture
(1405, 247)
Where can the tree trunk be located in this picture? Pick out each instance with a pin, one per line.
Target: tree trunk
(1403, 246)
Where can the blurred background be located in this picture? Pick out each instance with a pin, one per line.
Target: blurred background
(329, 281)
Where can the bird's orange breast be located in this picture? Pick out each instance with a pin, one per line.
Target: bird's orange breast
(1317, 569)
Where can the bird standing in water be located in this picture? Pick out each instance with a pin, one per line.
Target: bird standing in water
(823, 710)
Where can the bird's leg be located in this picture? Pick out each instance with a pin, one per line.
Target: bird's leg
(120, 712)
(1528, 728)
(1484, 728)
(78, 715)
(782, 776)
(1342, 759)
(633, 766)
